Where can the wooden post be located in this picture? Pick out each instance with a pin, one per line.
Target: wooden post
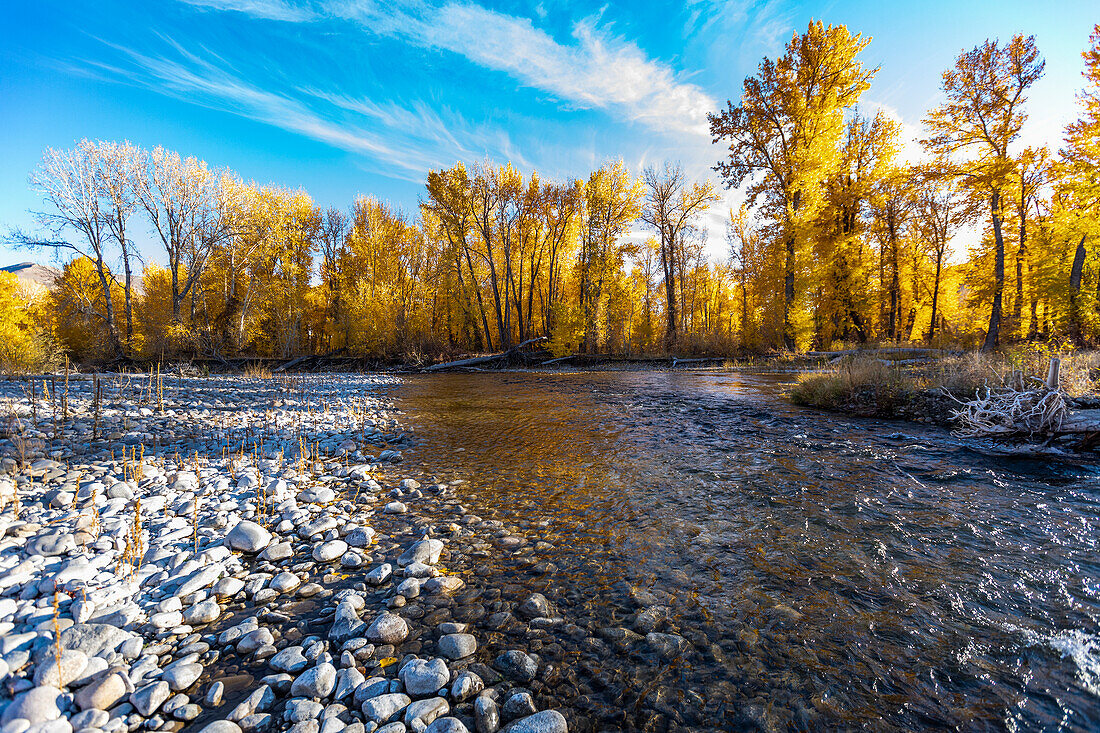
(1052, 373)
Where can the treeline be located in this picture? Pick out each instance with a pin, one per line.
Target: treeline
(840, 241)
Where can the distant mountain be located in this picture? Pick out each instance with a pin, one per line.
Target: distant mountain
(32, 272)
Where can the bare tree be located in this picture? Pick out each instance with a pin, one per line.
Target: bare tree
(187, 206)
(119, 169)
(670, 207)
(69, 182)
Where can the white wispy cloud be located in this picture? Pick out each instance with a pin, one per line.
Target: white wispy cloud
(268, 9)
(404, 141)
(595, 70)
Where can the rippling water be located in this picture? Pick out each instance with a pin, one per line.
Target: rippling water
(828, 572)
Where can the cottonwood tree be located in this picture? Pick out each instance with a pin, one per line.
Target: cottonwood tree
(613, 200)
(972, 133)
(1078, 174)
(845, 282)
(671, 206)
(782, 137)
(941, 209)
(70, 182)
(189, 209)
(119, 170)
(1029, 178)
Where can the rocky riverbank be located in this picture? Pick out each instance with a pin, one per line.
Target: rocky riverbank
(233, 555)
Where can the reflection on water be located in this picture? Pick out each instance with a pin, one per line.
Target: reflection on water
(826, 571)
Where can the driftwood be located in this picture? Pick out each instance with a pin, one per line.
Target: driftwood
(478, 360)
(559, 359)
(1018, 410)
(283, 367)
(912, 352)
(677, 362)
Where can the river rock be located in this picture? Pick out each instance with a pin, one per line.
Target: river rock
(221, 726)
(330, 550)
(457, 646)
(345, 623)
(466, 685)
(667, 646)
(447, 725)
(445, 584)
(516, 665)
(548, 721)
(388, 628)
(299, 709)
(285, 582)
(248, 536)
(486, 715)
(379, 575)
(93, 639)
(535, 606)
(204, 612)
(425, 551)
(37, 705)
(289, 660)
(181, 676)
(425, 711)
(316, 682)
(384, 708)
(102, 694)
(148, 699)
(424, 677)
(519, 705)
(52, 674)
(360, 537)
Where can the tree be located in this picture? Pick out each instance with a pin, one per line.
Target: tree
(69, 182)
(188, 208)
(844, 273)
(891, 204)
(972, 132)
(613, 200)
(119, 170)
(1079, 183)
(670, 207)
(783, 136)
(941, 209)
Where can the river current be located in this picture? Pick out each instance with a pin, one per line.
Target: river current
(826, 571)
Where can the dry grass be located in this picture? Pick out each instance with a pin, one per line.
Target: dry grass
(871, 381)
(852, 378)
(257, 371)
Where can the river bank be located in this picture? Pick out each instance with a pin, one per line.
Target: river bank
(234, 554)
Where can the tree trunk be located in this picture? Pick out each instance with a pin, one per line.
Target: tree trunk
(935, 297)
(1077, 326)
(668, 264)
(992, 336)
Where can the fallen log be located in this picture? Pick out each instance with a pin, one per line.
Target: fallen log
(478, 360)
(1081, 421)
(559, 359)
(283, 367)
(676, 361)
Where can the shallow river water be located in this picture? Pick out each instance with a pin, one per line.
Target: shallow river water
(827, 572)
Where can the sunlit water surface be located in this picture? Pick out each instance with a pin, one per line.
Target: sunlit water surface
(828, 571)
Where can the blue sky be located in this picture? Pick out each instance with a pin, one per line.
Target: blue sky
(344, 97)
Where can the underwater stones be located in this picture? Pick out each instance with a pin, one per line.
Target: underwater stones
(516, 665)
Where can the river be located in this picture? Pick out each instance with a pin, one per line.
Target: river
(825, 571)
